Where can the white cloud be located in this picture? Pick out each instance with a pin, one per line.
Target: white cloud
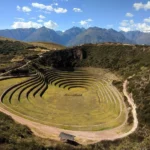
(130, 25)
(125, 29)
(40, 20)
(143, 27)
(42, 6)
(41, 17)
(77, 10)
(49, 8)
(85, 22)
(60, 10)
(127, 23)
(147, 20)
(50, 24)
(18, 8)
(129, 15)
(124, 23)
(140, 5)
(29, 24)
(26, 9)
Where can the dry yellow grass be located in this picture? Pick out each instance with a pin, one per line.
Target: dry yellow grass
(48, 45)
(4, 38)
(17, 58)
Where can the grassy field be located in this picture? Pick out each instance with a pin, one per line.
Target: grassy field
(79, 100)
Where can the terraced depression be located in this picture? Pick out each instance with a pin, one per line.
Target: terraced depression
(80, 100)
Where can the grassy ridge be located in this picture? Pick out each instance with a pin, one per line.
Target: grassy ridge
(16, 53)
(8, 46)
(48, 45)
(127, 59)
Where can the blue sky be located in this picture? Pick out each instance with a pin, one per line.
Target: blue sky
(126, 15)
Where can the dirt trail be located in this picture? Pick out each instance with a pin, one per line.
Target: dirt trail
(2, 74)
(133, 107)
(27, 63)
(83, 137)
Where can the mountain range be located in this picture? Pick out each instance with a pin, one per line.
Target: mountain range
(77, 36)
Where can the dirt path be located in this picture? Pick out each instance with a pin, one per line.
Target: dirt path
(2, 74)
(133, 106)
(83, 137)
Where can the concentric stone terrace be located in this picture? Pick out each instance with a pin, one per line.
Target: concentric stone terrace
(76, 100)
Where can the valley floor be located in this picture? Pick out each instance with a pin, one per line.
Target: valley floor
(83, 137)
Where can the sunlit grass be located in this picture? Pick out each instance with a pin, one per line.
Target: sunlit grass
(90, 104)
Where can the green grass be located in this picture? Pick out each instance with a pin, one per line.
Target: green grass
(76, 100)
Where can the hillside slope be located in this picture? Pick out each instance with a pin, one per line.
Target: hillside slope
(45, 35)
(48, 45)
(8, 46)
(16, 53)
(71, 34)
(18, 34)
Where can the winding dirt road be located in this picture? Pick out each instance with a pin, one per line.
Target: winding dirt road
(83, 137)
(2, 74)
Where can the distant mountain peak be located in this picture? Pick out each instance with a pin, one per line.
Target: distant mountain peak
(77, 35)
(43, 27)
(111, 29)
